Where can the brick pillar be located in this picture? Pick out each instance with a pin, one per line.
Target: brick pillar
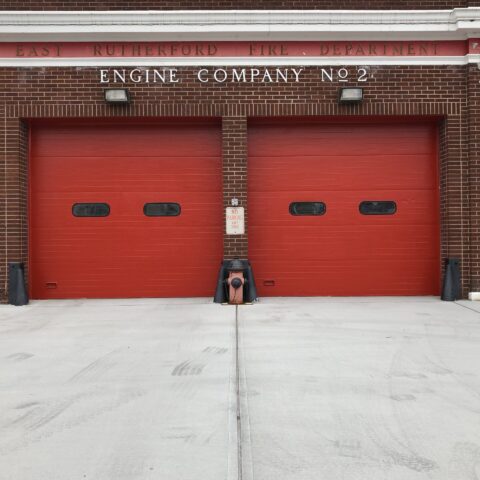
(3, 211)
(13, 196)
(473, 98)
(454, 201)
(234, 145)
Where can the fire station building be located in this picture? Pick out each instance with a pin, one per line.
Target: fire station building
(144, 142)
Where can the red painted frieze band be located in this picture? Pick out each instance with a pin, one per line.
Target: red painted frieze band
(240, 49)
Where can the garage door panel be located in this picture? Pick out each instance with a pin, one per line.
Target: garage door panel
(340, 147)
(337, 140)
(127, 209)
(104, 240)
(146, 140)
(86, 174)
(125, 254)
(354, 281)
(378, 171)
(342, 244)
(344, 252)
(414, 207)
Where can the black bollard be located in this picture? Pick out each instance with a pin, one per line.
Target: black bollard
(451, 281)
(220, 292)
(17, 294)
(249, 291)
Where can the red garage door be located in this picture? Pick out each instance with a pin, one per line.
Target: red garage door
(125, 210)
(344, 209)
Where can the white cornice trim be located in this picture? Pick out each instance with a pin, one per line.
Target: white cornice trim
(456, 24)
(237, 61)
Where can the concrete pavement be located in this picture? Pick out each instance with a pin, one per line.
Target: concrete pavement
(354, 388)
(120, 390)
(360, 389)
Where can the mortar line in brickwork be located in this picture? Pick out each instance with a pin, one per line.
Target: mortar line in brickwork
(5, 193)
(462, 159)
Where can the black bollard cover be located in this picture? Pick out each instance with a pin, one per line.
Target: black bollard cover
(220, 291)
(17, 293)
(249, 290)
(451, 281)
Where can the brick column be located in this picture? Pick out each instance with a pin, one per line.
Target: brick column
(454, 199)
(473, 99)
(234, 145)
(13, 196)
(3, 210)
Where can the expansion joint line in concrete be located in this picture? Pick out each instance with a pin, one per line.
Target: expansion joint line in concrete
(239, 416)
(465, 306)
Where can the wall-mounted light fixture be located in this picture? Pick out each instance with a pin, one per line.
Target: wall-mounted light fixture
(350, 95)
(117, 95)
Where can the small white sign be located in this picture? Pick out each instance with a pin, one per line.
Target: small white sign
(235, 220)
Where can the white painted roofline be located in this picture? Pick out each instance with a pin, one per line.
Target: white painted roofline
(456, 24)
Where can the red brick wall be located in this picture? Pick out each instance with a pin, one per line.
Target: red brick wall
(3, 199)
(474, 172)
(427, 91)
(234, 4)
